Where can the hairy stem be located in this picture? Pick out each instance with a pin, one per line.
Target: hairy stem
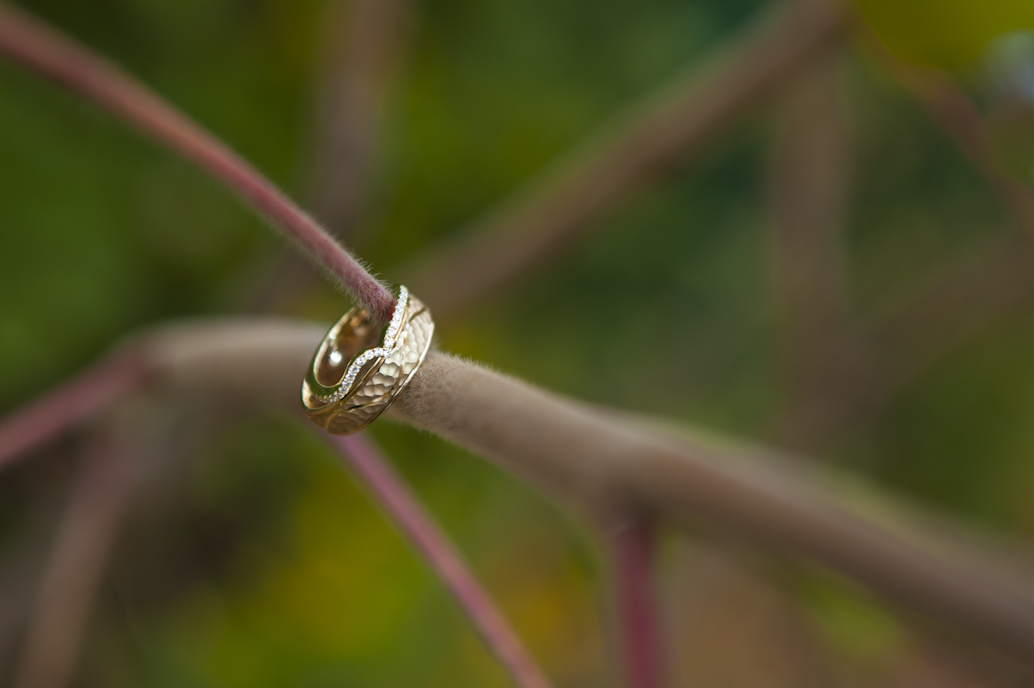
(388, 490)
(610, 463)
(605, 461)
(364, 42)
(42, 50)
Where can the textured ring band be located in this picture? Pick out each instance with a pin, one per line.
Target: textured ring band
(359, 369)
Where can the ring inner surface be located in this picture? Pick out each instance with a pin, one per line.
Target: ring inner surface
(346, 339)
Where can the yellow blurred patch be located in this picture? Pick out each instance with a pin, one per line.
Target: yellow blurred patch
(952, 34)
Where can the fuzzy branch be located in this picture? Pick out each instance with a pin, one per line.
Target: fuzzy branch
(605, 463)
(608, 464)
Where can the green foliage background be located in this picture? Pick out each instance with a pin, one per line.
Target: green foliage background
(270, 568)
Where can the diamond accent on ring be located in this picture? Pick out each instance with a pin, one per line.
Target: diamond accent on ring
(390, 345)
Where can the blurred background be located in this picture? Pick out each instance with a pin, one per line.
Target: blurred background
(830, 272)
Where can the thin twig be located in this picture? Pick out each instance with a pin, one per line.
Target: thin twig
(95, 389)
(954, 309)
(42, 50)
(633, 558)
(388, 490)
(952, 110)
(654, 137)
(956, 306)
(78, 558)
(809, 178)
(57, 410)
(365, 40)
(25, 553)
(946, 314)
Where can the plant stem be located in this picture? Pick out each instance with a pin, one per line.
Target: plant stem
(365, 41)
(81, 397)
(388, 490)
(598, 460)
(79, 555)
(42, 50)
(589, 458)
(824, 360)
(978, 293)
(633, 557)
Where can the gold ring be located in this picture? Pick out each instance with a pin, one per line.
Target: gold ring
(359, 369)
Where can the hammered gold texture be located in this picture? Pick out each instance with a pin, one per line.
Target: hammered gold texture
(377, 389)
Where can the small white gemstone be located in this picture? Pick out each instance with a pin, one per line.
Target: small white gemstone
(387, 350)
(396, 317)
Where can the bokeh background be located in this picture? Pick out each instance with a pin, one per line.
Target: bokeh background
(252, 560)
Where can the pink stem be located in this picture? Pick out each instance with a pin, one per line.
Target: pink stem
(59, 409)
(43, 50)
(633, 559)
(388, 490)
(75, 568)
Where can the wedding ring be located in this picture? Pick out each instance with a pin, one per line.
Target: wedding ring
(360, 369)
